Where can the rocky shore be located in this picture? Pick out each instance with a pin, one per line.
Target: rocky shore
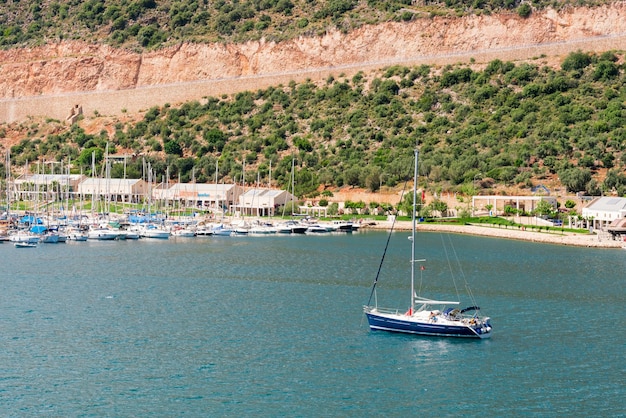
(601, 240)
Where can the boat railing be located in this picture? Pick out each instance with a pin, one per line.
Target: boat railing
(394, 311)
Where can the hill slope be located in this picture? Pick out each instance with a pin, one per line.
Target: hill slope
(119, 80)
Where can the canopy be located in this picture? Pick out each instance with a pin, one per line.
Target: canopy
(38, 229)
(31, 220)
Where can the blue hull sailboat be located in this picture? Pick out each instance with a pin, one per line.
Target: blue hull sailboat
(425, 321)
(424, 316)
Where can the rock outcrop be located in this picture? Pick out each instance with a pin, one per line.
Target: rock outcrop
(32, 76)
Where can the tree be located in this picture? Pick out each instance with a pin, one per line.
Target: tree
(352, 176)
(544, 208)
(291, 208)
(333, 209)
(509, 210)
(373, 179)
(173, 148)
(85, 158)
(439, 206)
(149, 36)
(406, 205)
(575, 179)
(576, 61)
(524, 10)
(570, 204)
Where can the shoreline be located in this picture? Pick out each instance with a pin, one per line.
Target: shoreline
(565, 238)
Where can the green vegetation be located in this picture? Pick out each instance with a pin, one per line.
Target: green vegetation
(505, 125)
(150, 23)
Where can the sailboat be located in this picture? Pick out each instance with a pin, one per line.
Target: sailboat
(425, 316)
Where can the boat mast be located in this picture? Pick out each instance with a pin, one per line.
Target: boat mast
(293, 182)
(416, 151)
(93, 187)
(7, 167)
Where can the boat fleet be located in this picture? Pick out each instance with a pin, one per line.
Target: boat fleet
(29, 231)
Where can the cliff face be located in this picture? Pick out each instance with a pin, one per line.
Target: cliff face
(70, 67)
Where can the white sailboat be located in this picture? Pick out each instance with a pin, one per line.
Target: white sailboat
(25, 244)
(427, 316)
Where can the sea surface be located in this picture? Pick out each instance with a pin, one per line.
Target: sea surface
(273, 326)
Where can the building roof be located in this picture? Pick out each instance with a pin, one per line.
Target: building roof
(263, 192)
(118, 182)
(618, 226)
(607, 204)
(199, 187)
(48, 178)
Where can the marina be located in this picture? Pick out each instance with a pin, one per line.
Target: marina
(35, 229)
(274, 326)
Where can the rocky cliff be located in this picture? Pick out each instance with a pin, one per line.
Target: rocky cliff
(108, 80)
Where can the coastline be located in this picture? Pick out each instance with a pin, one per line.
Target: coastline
(565, 238)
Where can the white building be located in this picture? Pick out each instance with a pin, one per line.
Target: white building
(603, 211)
(262, 202)
(118, 190)
(44, 186)
(216, 196)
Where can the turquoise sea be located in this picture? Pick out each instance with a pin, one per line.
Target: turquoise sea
(273, 326)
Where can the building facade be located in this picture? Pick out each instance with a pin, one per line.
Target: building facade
(603, 211)
(261, 202)
(217, 197)
(44, 186)
(116, 190)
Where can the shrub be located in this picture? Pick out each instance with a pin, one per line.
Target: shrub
(524, 10)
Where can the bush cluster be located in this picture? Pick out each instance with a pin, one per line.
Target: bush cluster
(507, 124)
(150, 23)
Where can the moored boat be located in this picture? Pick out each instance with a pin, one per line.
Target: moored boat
(24, 236)
(25, 244)
(222, 230)
(262, 228)
(154, 231)
(316, 229)
(291, 227)
(343, 226)
(50, 238)
(204, 231)
(78, 236)
(103, 234)
(183, 232)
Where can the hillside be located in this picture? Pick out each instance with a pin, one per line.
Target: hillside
(488, 96)
(119, 80)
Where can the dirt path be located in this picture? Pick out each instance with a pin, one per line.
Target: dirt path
(566, 238)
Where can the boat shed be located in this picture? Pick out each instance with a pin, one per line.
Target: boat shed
(262, 202)
(27, 186)
(604, 211)
(118, 190)
(203, 195)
